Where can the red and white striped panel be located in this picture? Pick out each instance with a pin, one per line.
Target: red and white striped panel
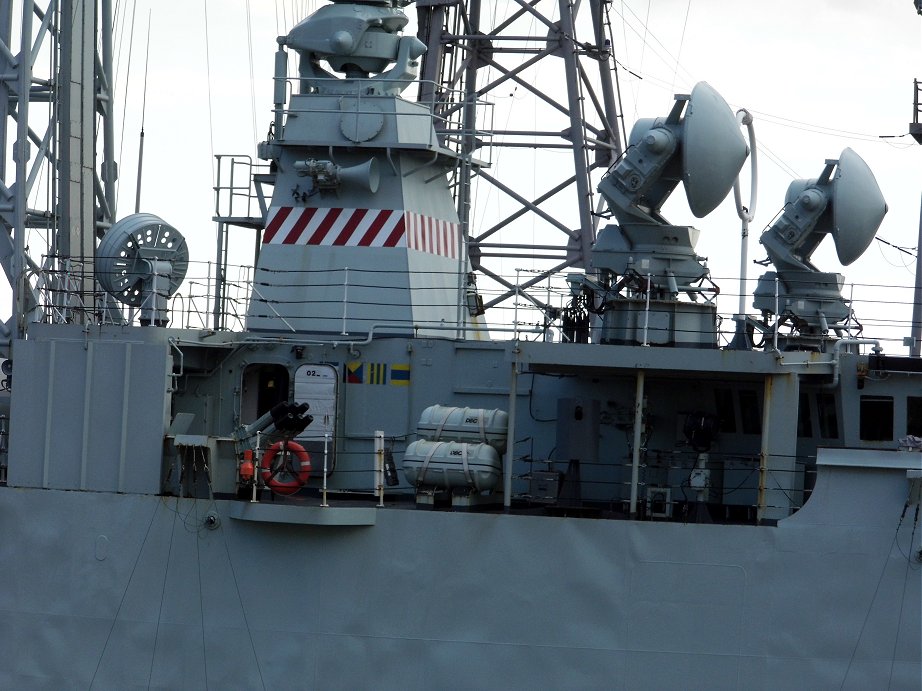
(340, 227)
(361, 228)
(432, 235)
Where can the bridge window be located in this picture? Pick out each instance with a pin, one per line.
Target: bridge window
(751, 412)
(723, 399)
(914, 415)
(826, 414)
(876, 418)
(804, 421)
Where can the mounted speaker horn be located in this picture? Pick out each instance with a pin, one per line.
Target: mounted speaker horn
(329, 176)
(364, 175)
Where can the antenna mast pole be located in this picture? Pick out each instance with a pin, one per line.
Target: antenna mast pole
(137, 197)
(915, 129)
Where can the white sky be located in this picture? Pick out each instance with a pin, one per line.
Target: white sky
(818, 76)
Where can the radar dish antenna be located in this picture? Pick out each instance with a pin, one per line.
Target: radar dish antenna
(858, 207)
(359, 40)
(141, 261)
(845, 202)
(705, 149)
(644, 257)
(713, 151)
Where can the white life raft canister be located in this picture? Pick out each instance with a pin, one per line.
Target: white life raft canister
(471, 425)
(449, 465)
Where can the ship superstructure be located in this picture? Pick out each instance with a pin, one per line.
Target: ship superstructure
(361, 232)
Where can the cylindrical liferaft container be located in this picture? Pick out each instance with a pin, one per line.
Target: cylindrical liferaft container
(472, 425)
(450, 465)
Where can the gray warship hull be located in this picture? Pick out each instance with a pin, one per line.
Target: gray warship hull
(112, 582)
(127, 591)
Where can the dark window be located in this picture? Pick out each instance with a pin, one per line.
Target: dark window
(826, 414)
(914, 415)
(723, 399)
(750, 412)
(804, 421)
(876, 418)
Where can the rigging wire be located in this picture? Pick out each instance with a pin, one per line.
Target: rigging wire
(903, 252)
(643, 49)
(255, 136)
(681, 43)
(166, 573)
(119, 34)
(814, 128)
(778, 161)
(121, 602)
(657, 47)
(121, 142)
(867, 614)
(246, 621)
(911, 251)
(208, 81)
(201, 590)
(899, 621)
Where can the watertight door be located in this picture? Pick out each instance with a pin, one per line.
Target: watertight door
(316, 386)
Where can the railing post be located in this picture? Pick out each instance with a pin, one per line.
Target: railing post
(345, 332)
(379, 466)
(326, 445)
(646, 312)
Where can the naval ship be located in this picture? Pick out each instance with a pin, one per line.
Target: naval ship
(349, 474)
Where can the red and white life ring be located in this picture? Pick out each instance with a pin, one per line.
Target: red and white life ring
(271, 470)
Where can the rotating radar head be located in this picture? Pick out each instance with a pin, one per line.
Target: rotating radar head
(359, 41)
(698, 143)
(844, 201)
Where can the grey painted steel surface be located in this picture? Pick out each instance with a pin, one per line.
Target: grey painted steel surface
(148, 596)
(91, 415)
(109, 585)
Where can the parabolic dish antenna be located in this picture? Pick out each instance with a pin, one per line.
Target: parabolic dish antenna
(858, 207)
(713, 147)
(713, 151)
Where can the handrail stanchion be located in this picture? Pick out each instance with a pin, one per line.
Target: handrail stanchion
(379, 466)
(646, 311)
(326, 445)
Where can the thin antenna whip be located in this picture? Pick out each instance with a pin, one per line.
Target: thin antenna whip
(137, 198)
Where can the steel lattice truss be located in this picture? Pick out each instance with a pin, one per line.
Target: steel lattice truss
(56, 79)
(562, 61)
